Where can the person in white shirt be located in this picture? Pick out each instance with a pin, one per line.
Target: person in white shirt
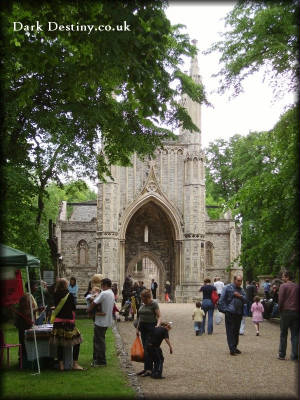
(103, 320)
(219, 286)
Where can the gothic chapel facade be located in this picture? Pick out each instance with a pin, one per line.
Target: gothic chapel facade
(151, 221)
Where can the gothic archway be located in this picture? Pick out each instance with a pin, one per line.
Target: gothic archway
(150, 233)
(157, 270)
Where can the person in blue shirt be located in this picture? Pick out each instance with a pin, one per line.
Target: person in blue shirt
(231, 303)
(73, 288)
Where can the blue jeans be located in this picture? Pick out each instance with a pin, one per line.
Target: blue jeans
(197, 327)
(275, 312)
(207, 307)
(289, 319)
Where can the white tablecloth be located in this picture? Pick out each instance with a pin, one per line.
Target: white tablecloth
(44, 348)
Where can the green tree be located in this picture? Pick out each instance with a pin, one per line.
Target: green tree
(260, 34)
(261, 170)
(21, 210)
(66, 89)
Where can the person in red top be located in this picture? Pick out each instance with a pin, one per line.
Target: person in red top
(288, 304)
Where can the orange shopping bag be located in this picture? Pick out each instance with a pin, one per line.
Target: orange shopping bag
(137, 351)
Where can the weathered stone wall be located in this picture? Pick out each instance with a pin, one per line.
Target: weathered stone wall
(71, 234)
(83, 213)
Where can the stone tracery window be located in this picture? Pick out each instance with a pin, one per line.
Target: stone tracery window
(82, 251)
(209, 253)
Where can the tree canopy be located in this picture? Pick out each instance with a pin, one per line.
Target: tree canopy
(22, 207)
(66, 88)
(257, 177)
(260, 34)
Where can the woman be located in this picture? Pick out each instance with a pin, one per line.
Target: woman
(207, 306)
(73, 289)
(149, 318)
(64, 333)
(23, 322)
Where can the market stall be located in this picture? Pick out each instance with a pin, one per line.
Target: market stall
(13, 259)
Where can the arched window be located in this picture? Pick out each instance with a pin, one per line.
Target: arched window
(146, 234)
(209, 253)
(82, 249)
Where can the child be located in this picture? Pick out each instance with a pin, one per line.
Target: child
(155, 353)
(197, 317)
(257, 310)
(90, 298)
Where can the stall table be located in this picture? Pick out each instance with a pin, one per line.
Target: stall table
(45, 350)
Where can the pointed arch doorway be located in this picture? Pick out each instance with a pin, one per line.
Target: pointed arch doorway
(145, 267)
(150, 246)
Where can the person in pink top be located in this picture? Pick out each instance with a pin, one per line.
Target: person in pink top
(257, 310)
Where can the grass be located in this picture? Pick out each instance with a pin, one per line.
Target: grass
(107, 382)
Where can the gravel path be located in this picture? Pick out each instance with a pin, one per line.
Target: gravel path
(201, 366)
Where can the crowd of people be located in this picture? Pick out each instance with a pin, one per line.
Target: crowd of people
(231, 301)
(236, 304)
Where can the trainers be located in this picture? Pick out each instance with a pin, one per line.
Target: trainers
(233, 353)
(237, 351)
(280, 357)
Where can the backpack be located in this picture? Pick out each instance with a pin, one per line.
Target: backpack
(214, 297)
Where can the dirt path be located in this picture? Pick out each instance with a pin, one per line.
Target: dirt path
(202, 367)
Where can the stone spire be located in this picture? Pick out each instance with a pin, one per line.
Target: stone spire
(194, 68)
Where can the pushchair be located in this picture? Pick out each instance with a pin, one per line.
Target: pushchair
(268, 307)
(125, 310)
(129, 307)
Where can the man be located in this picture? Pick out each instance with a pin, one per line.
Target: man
(251, 292)
(153, 288)
(219, 286)
(267, 286)
(231, 303)
(288, 305)
(103, 320)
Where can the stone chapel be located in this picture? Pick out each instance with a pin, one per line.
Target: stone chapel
(151, 222)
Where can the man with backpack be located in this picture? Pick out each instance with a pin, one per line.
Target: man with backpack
(231, 303)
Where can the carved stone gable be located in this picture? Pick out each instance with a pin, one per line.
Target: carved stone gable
(152, 184)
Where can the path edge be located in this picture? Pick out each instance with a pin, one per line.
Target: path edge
(126, 364)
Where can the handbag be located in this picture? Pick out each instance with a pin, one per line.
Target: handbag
(214, 297)
(137, 350)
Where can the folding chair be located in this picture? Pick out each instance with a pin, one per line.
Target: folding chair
(7, 347)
